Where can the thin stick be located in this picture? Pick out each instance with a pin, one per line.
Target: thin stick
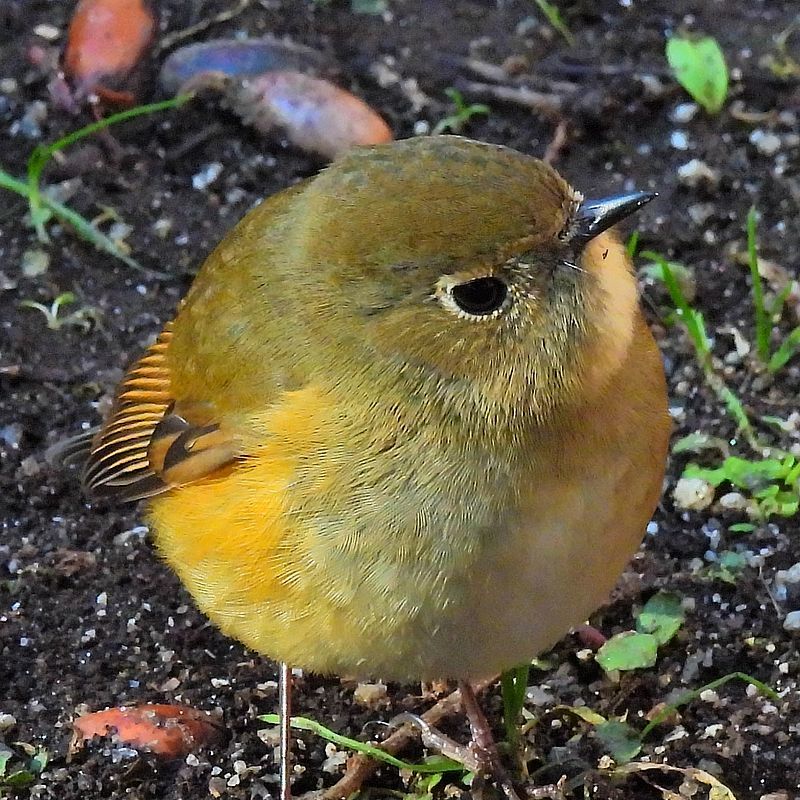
(178, 36)
(544, 103)
(557, 143)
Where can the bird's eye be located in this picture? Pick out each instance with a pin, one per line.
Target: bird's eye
(480, 297)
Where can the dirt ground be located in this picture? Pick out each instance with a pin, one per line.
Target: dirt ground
(90, 618)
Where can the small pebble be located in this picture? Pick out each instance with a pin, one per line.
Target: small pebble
(792, 621)
(7, 721)
(679, 140)
(791, 575)
(765, 142)
(684, 112)
(733, 501)
(207, 175)
(693, 494)
(696, 172)
(48, 32)
(370, 694)
(700, 212)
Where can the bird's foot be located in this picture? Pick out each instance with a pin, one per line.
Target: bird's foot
(436, 740)
(479, 757)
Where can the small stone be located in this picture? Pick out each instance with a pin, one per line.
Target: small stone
(48, 32)
(700, 212)
(765, 142)
(271, 737)
(35, 262)
(684, 112)
(335, 760)
(697, 172)
(791, 575)
(693, 494)
(207, 175)
(733, 501)
(652, 86)
(30, 467)
(11, 435)
(7, 721)
(792, 621)
(8, 85)
(370, 694)
(679, 140)
(422, 127)
(709, 696)
(30, 125)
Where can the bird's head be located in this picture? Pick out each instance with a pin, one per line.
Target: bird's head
(472, 265)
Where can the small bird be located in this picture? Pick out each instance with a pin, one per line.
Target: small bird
(408, 422)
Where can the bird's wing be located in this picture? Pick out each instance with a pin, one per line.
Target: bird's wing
(151, 442)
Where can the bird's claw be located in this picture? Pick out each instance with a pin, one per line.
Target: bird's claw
(436, 740)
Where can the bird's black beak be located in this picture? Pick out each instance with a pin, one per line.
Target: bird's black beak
(596, 216)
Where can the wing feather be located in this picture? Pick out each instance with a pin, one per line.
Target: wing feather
(150, 443)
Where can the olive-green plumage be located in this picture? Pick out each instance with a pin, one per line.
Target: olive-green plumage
(403, 424)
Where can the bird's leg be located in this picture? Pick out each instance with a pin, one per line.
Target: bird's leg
(481, 756)
(436, 740)
(285, 711)
(483, 742)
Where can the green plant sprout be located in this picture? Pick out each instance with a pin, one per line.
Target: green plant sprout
(659, 620)
(623, 742)
(463, 113)
(767, 315)
(42, 207)
(783, 64)
(553, 16)
(695, 326)
(513, 685)
(35, 760)
(83, 317)
(699, 66)
(771, 482)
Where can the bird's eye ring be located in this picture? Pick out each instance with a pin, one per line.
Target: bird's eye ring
(480, 297)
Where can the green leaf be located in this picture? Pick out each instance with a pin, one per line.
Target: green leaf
(620, 740)
(742, 472)
(19, 779)
(661, 616)
(374, 7)
(788, 347)
(513, 685)
(39, 761)
(553, 15)
(741, 527)
(628, 650)
(699, 66)
(728, 566)
(697, 442)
